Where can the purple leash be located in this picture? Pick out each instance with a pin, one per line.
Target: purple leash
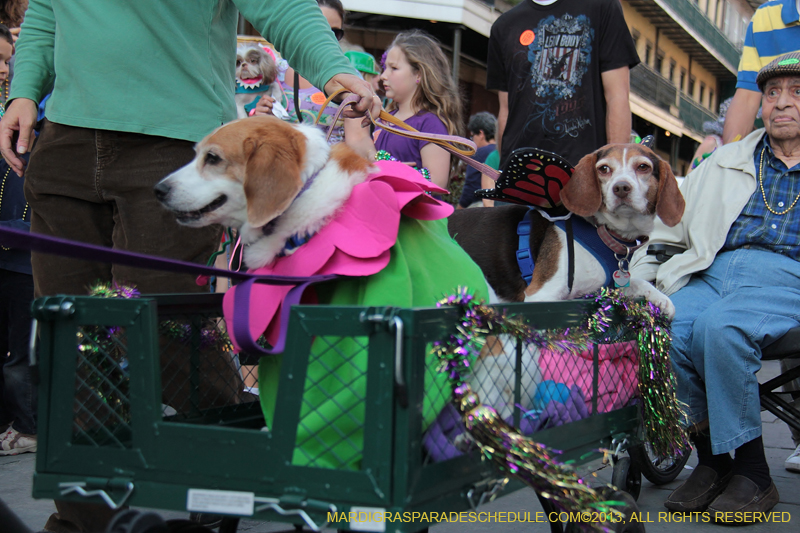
(241, 332)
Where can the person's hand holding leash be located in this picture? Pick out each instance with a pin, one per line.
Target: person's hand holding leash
(20, 117)
(368, 100)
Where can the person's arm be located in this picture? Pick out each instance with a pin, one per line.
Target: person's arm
(358, 138)
(487, 183)
(33, 78)
(708, 145)
(616, 88)
(502, 117)
(437, 161)
(741, 115)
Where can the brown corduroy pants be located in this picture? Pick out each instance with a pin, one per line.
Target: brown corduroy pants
(96, 186)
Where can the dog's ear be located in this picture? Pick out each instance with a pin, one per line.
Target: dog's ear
(269, 69)
(582, 194)
(271, 178)
(669, 201)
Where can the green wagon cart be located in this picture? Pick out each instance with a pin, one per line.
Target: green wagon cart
(141, 406)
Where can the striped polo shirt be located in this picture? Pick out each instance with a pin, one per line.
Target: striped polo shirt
(773, 31)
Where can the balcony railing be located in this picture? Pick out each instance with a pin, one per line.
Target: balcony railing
(693, 115)
(703, 28)
(653, 87)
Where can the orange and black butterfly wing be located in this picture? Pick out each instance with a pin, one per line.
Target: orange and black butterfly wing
(531, 177)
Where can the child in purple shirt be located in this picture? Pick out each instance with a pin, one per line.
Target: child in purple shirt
(417, 78)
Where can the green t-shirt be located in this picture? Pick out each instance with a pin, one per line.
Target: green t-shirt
(493, 160)
(159, 67)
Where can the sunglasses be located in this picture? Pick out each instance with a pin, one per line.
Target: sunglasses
(338, 33)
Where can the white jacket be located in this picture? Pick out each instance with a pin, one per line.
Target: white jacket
(715, 194)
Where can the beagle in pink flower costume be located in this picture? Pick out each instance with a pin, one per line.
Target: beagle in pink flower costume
(306, 208)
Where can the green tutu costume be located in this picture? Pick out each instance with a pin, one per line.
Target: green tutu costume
(425, 265)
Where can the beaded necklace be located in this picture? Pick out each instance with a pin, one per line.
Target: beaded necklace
(2, 190)
(383, 155)
(764, 194)
(5, 177)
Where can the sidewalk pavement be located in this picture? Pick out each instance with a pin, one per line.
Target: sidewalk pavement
(16, 478)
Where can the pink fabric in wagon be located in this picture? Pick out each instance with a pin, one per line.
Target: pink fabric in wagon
(617, 380)
(356, 242)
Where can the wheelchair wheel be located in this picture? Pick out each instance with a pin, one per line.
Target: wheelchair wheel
(627, 477)
(658, 470)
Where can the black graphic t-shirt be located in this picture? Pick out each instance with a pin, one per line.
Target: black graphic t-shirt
(549, 60)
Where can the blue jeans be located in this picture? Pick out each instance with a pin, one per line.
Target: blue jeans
(18, 394)
(746, 300)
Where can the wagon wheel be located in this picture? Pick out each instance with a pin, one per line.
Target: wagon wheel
(627, 477)
(425, 530)
(186, 526)
(556, 526)
(229, 524)
(658, 469)
(627, 525)
(134, 521)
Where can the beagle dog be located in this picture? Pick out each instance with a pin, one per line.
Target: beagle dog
(619, 190)
(270, 179)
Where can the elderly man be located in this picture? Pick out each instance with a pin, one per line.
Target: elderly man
(736, 289)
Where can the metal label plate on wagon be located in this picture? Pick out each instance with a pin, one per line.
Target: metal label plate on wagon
(220, 501)
(366, 519)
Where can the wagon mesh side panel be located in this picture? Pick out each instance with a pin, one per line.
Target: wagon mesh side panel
(330, 433)
(200, 376)
(102, 407)
(534, 389)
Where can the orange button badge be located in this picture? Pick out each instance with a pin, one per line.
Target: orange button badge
(318, 98)
(527, 37)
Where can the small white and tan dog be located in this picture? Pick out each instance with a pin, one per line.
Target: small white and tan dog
(620, 188)
(256, 75)
(249, 174)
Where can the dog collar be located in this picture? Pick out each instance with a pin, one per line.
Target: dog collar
(260, 88)
(590, 237)
(298, 239)
(617, 244)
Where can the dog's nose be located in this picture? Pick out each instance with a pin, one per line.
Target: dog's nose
(622, 189)
(161, 190)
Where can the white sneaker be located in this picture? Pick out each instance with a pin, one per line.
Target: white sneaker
(5, 433)
(14, 442)
(792, 463)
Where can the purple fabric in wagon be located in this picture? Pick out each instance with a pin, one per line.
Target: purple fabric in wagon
(440, 437)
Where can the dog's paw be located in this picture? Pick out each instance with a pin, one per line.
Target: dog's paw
(666, 306)
(643, 289)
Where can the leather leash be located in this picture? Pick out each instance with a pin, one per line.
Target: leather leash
(458, 146)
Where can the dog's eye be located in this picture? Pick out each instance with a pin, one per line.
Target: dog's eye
(211, 159)
(603, 169)
(238, 62)
(644, 167)
(254, 60)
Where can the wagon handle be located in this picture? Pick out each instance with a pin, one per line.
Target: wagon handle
(399, 381)
(388, 316)
(69, 487)
(274, 504)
